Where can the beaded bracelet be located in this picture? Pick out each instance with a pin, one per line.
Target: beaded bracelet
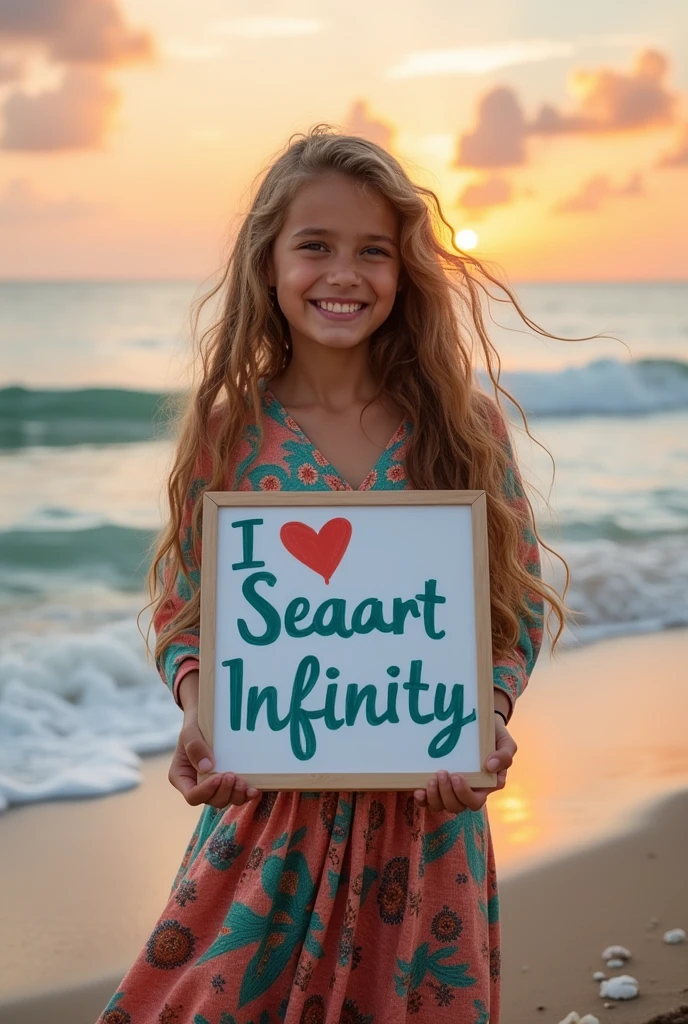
(501, 715)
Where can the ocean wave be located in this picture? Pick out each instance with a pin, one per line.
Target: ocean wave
(32, 561)
(623, 588)
(606, 387)
(86, 416)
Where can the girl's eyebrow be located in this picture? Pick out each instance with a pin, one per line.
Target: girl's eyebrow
(326, 231)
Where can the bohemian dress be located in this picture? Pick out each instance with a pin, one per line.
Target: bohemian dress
(326, 908)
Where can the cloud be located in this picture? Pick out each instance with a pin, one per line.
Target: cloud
(76, 115)
(20, 205)
(11, 69)
(598, 190)
(677, 157)
(610, 100)
(480, 196)
(184, 50)
(268, 28)
(73, 31)
(498, 139)
(483, 59)
(86, 38)
(358, 122)
(607, 101)
(479, 60)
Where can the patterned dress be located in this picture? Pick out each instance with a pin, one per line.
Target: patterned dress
(326, 908)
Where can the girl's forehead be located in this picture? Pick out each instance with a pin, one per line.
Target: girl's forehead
(336, 200)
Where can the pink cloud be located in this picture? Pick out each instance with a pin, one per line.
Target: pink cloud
(359, 122)
(596, 191)
(75, 30)
(11, 69)
(76, 115)
(498, 139)
(611, 100)
(677, 157)
(87, 37)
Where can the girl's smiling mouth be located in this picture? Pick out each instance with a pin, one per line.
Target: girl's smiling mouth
(338, 310)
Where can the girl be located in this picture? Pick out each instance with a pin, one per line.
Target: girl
(339, 362)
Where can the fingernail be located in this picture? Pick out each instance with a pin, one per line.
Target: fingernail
(442, 776)
(250, 793)
(205, 765)
(457, 780)
(493, 763)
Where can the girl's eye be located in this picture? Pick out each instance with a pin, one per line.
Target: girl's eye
(370, 248)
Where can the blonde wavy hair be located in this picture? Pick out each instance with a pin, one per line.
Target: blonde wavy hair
(421, 357)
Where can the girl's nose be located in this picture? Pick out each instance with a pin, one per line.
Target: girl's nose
(343, 275)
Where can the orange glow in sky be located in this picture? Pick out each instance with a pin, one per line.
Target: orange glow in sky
(558, 149)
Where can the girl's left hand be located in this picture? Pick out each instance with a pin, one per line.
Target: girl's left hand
(452, 793)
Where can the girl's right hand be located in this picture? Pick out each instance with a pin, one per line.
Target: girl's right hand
(194, 756)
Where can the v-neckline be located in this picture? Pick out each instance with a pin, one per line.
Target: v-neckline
(322, 460)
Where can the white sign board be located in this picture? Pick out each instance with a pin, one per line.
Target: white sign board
(345, 638)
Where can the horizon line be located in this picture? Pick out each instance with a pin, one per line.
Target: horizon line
(200, 281)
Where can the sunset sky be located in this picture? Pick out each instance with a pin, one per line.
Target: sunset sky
(131, 131)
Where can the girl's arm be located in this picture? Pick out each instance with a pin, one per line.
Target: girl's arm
(511, 674)
(181, 655)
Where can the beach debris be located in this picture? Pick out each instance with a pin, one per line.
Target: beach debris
(653, 922)
(674, 936)
(621, 987)
(573, 1018)
(616, 953)
(599, 976)
(616, 962)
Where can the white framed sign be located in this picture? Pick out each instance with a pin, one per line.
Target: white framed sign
(345, 638)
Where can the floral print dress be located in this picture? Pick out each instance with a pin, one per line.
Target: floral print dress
(326, 908)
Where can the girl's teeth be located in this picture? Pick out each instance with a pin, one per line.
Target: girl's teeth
(337, 307)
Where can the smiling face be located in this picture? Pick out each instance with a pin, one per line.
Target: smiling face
(338, 247)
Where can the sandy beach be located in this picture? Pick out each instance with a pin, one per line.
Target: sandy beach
(590, 833)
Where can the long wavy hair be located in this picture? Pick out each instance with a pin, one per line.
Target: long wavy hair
(422, 358)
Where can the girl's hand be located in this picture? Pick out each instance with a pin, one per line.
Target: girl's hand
(194, 756)
(452, 793)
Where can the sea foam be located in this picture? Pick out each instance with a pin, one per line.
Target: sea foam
(76, 713)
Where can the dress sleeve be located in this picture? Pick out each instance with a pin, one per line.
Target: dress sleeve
(511, 673)
(181, 654)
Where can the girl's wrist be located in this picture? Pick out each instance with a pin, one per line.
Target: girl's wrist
(501, 702)
(188, 691)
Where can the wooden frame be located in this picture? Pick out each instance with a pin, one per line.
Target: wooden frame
(213, 501)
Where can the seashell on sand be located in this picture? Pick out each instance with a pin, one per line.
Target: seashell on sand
(621, 987)
(589, 1018)
(599, 976)
(571, 1018)
(674, 936)
(616, 953)
(614, 963)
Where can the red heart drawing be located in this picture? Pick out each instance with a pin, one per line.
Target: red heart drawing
(322, 551)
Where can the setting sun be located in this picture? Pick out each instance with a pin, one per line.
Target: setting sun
(466, 239)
